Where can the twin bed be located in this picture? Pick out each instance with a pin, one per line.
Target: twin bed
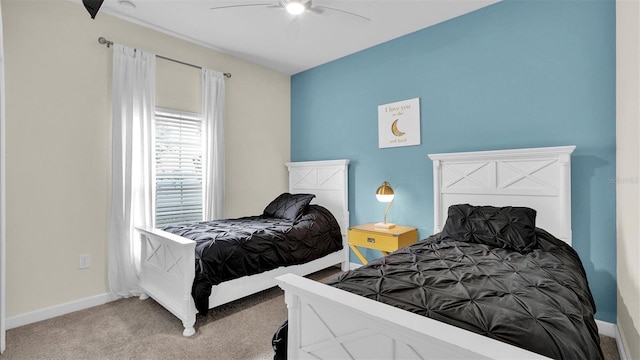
(167, 261)
(491, 283)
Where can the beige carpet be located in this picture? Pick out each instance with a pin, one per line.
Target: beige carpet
(134, 329)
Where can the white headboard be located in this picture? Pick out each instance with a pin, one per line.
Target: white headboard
(539, 178)
(328, 180)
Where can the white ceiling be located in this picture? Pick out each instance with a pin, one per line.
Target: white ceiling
(271, 37)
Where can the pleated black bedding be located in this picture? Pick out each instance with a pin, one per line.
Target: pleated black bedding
(536, 297)
(232, 248)
(539, 301)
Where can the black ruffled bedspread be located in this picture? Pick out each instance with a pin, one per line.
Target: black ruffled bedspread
(538, 300)
(233, 248)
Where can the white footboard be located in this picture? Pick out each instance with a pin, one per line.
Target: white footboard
(167, 272)
(328, 323)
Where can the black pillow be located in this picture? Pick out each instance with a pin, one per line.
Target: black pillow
(507, 227)
(288, 206)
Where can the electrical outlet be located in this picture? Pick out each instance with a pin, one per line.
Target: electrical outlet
(84, 262)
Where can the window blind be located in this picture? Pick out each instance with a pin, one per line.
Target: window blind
(178, 167)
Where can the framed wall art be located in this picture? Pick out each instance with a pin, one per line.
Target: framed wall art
(399, 123)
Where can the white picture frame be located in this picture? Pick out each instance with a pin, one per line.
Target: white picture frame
(399, 123)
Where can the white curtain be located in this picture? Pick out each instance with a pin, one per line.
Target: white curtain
(213, 98)
(132, 159)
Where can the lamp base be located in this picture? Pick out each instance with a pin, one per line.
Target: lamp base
(384, 225)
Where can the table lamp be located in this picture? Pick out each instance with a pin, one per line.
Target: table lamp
(385, 194)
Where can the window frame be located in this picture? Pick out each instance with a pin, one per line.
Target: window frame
(168, 115)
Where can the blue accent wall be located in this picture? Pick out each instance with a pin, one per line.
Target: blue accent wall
(516, 74)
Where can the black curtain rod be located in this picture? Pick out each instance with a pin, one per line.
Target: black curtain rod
(104, 41)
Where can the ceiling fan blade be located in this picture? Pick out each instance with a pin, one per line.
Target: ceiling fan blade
(343, 11)
(240, 5)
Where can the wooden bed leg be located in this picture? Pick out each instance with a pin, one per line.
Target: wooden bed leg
(189, 330)
(344, 266)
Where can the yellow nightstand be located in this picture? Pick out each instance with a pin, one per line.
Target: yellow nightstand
(385, 240)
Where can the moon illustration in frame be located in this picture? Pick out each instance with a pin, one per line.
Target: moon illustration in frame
(399, 123)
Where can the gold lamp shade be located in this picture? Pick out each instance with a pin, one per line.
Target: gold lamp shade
(385, 194)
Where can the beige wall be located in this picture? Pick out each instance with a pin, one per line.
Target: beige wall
(628, 173)
(58, 109)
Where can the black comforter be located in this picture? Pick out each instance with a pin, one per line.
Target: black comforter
(492, 272)
(232, 248)
(538, 300)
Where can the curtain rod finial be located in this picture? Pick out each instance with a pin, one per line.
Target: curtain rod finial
(104, 41)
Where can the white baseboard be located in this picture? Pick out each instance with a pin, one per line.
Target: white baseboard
(353, 266)
(606, 328)
(622, 349)
(611, 330)
(62, 309)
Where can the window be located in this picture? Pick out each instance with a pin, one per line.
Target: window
(178, 138)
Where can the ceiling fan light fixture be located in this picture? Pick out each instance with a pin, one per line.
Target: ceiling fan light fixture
(295, 7)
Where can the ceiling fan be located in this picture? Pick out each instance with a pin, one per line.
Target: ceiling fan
(294, 7)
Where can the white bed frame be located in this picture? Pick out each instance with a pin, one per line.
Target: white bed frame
(167, 260)
(328, 323)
